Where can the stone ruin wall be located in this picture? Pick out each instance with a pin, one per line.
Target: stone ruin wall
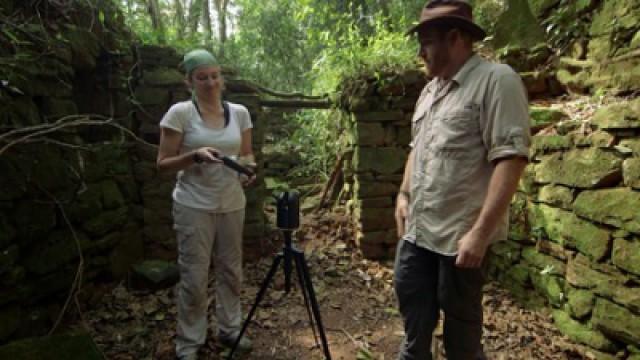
(105, 194)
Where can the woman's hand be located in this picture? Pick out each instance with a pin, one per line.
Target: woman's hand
(206, 155)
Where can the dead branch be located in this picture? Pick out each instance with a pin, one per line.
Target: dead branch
(27, 134)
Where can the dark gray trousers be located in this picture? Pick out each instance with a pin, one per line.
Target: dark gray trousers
(426, 282)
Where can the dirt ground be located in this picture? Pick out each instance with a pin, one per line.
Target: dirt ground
(357, 304)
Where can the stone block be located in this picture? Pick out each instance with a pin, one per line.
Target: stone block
(129, 251)
(518, 273)
(616, 207)
(581, 333)
(163, 77)
(596, 138)
(375, 189)
(542, 116)
(390, 135)
(585, 274)
(567, 229)
(380, 160)
(580, 302)
(556, 195)
(154, 55)
(552, 287)
(543, 144)
(633, 144)
(111, 196)
(544, 263)
(59, 249)
(623, 115)
(151, 96)
(631, 173)
(106, 221)
(507, 250)
(626, 255)
(582, 168)
(379, 116)
(404, 135)
(375, 219)
(554, 249)
(517, 26)
(370, 134)
(616, 322)
(154, 275)
(34, 222)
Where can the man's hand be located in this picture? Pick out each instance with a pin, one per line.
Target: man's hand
(247, 180)
(402, 211)
(471, 250)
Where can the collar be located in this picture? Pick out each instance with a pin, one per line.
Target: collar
(472, 62)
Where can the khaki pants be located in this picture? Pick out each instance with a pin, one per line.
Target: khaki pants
(201, 233)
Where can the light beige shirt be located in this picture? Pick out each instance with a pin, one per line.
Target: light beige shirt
(211, 187)
(459, 129)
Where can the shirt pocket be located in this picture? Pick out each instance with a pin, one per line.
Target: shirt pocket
(416, 122)
(457, 132)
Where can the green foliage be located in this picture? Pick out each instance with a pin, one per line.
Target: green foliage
(565, 24)
(486, 13)
(353, 56)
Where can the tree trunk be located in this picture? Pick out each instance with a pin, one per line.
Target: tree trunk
(206, 23)
(195, 9)
(180, 21)
(221, 10)
(156, 19)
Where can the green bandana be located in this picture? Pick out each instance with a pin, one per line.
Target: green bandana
(196, 58)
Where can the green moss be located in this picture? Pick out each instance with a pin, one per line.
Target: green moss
(621, 115)
(581, 333)
(517, 26)
(581, 168)
(616, 321)
(580, 302)
(615, 207)
(76, 346)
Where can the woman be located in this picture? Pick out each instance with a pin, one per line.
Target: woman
(209, 202)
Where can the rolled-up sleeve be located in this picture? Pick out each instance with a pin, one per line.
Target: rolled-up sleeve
(506, 126)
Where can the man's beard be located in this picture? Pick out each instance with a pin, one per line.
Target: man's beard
(436, 64)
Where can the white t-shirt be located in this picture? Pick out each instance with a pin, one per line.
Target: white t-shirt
(211, 187)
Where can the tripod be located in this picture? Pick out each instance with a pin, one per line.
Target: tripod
(287, 221)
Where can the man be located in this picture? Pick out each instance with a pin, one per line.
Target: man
(470, 146)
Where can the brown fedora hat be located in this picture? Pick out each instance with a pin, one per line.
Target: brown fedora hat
(452, 12)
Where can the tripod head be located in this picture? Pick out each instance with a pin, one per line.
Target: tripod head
(288, 210)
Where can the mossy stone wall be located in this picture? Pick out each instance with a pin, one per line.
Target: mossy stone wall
(575, 233)
(89, 192)
(574, 238)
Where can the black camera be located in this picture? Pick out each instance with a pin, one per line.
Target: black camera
(288, 210)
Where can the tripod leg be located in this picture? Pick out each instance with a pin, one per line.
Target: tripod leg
(314, 303)
(263, 289)
(305, 295)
